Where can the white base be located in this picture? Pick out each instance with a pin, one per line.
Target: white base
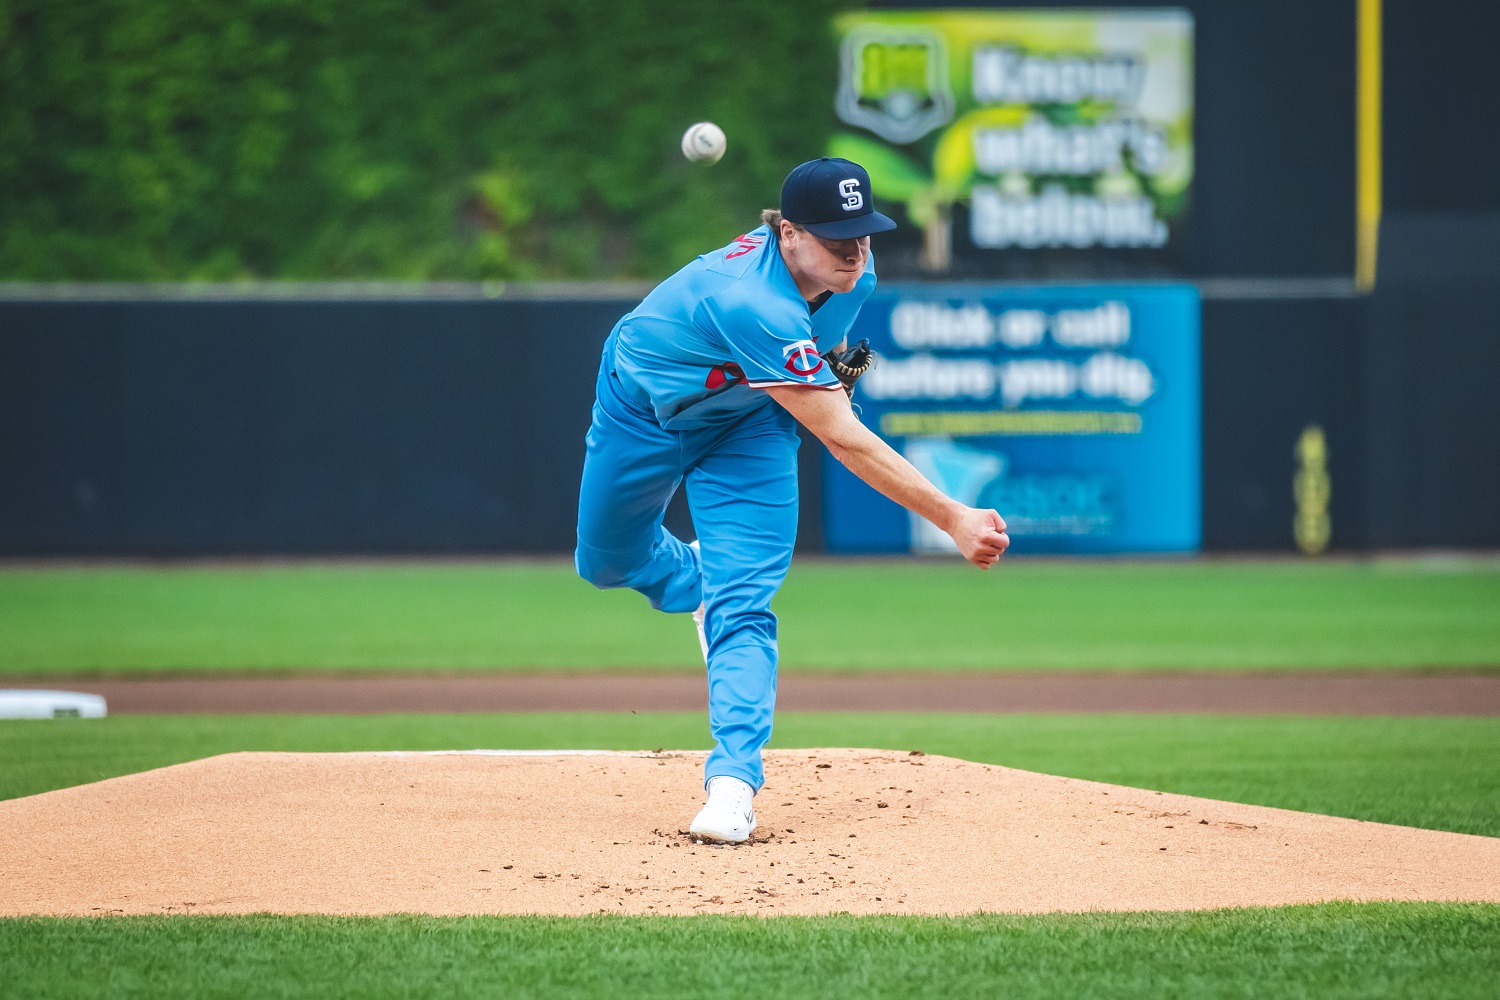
(50, 705)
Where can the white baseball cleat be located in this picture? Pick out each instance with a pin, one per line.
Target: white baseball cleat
(698, 616)
(729, 815)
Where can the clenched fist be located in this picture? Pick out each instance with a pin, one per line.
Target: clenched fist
(980, 536)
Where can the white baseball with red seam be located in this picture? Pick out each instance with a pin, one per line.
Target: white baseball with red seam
(704, 143)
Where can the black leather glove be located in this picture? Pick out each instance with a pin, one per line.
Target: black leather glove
(850, 363)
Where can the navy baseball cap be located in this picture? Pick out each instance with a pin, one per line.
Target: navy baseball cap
(831, 198)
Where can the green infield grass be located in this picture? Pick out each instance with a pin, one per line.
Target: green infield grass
(1339, 950)
(835, 615)
(1440, 773)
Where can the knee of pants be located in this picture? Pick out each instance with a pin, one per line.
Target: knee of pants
(745, 627)
(602, 572)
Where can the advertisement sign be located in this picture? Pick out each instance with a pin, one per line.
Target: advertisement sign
(1073, 411)
(997, 133)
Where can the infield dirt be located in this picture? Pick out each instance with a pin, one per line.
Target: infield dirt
(856, 831)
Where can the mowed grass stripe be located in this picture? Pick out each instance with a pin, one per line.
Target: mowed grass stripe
(1439, 773)
(834, 616)
(1336, 950)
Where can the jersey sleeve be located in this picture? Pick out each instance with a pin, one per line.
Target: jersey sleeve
(771, 342)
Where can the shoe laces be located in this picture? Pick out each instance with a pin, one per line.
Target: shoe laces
(730, 794)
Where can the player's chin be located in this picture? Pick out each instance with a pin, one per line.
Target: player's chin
(844, 281)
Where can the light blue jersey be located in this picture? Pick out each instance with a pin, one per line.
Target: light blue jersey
(697, 349)
(678, 404)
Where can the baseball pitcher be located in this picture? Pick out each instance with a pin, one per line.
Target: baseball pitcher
(700, 385)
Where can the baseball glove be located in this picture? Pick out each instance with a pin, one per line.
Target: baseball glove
(850, 363)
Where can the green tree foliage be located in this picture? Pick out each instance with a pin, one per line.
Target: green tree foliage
(397, 139)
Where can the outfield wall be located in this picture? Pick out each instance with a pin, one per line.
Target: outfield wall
(236, 426)
(179, 427)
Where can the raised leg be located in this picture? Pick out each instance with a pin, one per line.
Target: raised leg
(630, 471)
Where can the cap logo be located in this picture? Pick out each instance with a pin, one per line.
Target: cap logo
(854, 200)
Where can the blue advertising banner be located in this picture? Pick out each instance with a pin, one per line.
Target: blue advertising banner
(1073, 411)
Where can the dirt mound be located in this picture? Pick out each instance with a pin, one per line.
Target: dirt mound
(858, 831)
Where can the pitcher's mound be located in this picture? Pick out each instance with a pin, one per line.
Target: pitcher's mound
(857, 831)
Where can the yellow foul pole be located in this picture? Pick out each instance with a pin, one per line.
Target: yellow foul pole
(1367, 144)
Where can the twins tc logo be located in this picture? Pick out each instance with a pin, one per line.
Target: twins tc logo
(854, 200)
(802, 359)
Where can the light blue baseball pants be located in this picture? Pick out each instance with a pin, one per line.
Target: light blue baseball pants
(742, 489)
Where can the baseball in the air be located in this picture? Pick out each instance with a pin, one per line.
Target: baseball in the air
(704, 143)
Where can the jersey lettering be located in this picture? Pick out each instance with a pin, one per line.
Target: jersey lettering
(743, 244)
(854, 200)
(723, 374)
